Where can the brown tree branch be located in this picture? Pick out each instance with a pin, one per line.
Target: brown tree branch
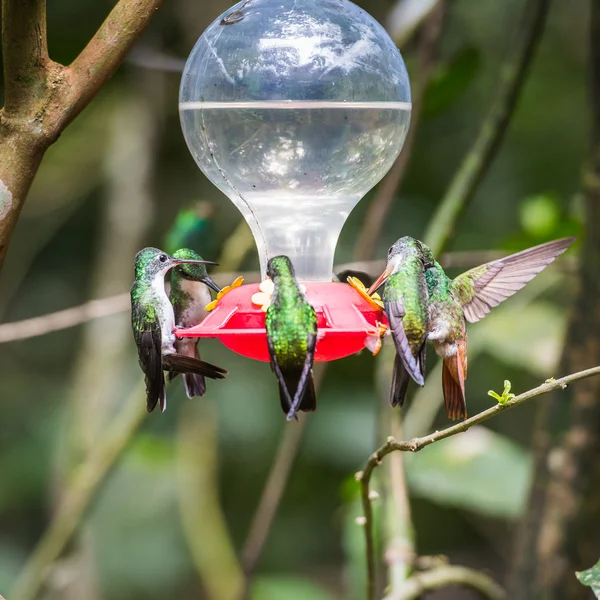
(25, 51)
(388, 188)
(479, 158)
(104, 53)
(416, 444)
(43, 97)
(446, 576)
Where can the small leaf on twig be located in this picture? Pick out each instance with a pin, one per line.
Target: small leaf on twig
(506, 395)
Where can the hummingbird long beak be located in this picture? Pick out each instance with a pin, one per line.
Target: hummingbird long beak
(380, 280)
(211, 284)
(185, 261)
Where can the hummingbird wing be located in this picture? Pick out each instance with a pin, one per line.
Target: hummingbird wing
(305, 396)
(395, 311)
(484, 287)
(284, 395)
(150, 359)
(400, 379)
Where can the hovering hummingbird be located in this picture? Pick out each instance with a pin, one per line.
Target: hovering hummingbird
(189, 295)
(153, 322)
(470, 297)
(291, 324)
(405, 298)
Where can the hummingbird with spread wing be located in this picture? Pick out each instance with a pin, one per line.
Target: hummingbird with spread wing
(189, 295)
(291, 324)
(470, 297)
(153, 323)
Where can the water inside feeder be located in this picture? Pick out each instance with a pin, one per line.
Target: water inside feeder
(295, 169)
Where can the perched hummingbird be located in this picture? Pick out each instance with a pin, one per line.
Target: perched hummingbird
(189, 295)
(405, 299)
(470, 297)
(291, 324)
(153, 322)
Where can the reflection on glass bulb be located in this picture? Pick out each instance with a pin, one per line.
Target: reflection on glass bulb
(296, 167)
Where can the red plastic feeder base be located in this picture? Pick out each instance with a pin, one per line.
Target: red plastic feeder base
(345, 320)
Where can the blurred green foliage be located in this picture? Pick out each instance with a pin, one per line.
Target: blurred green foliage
(465, 492)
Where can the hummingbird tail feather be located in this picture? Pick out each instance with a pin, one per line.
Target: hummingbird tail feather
(305, 398)
(453, 383)
(195, 385)
(184, 364)
(155, 392)
(423, 359)
(284, 398)
(400, 379)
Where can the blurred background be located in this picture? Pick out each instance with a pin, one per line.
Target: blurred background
(178, 505)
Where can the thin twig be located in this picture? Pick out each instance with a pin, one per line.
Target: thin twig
(446, 576)
(83, 486)
(388, 188)
(272, 493)
(465, 182)
(201, 512)
(63, 319)
(416, 444)
(106, 307)
(477, 161)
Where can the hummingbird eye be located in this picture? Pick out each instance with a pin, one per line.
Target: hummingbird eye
(163, 258)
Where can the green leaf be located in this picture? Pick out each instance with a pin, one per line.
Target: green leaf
(478, 470)
(450, 81)
(290, 588)
(506, 395)
(591, 578)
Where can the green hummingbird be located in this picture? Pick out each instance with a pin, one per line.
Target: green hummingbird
(189, 296)
(405, 299)
(153, 322)
(470, 297)
(291, 324)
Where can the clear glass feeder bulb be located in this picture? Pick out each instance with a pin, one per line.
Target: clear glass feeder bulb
(295, 109)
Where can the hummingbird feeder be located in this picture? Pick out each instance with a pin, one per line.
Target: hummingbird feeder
(295, 109)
